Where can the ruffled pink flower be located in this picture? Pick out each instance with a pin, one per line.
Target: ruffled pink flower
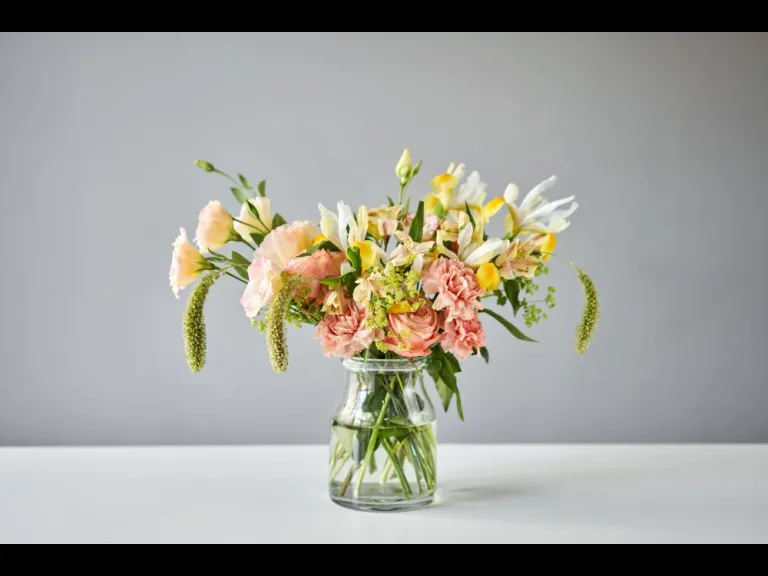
(463, 336)
(345, 335)
(458, 292)
(264, 281)
(413, 333)
(288, 241)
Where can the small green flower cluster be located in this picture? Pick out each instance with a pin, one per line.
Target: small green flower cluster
(276, 316)
(397, 285)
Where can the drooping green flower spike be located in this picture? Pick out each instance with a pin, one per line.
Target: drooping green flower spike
(277, 343)
(195, 338)
(585, 331)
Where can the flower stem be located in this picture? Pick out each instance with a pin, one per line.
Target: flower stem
(372, 443)
(398, 468)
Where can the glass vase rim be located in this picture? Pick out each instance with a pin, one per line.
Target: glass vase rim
(385, 364)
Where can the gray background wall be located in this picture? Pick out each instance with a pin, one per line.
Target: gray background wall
(662, 137)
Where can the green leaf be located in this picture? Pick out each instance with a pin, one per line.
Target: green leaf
(262, 188)
(257, 238)
(440, 210)
(441, 368)
(407, 207)
(455, 366)
(391, 202)
(416, 169)
(353, 255)
(485, 354)
(244, 182)
(239, 195)
(324, 245)
(508, 325)
(332, 282)
(240, 260)
(512, 290)
(471, 216)
(417, 226)
(243, 272)
(278, 220)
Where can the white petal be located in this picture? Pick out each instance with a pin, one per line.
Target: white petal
(547, 209)
(487, 252)
(418, 264)
(329, 225)
(346, 220)
(465, 237)
(536, 191)
(511, 193)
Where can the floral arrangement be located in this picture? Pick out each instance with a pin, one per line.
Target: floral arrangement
(388, 282)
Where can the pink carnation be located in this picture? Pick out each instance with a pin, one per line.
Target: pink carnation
(462, 336)
(346, 334)
(413, 333)
(458, 292)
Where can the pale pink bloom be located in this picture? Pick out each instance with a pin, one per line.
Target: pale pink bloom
(264, 281)
(413, 333)
(320, 265)
(347, 334)
(455, 284)
(288, 241)
(462, 336)
(431, 225)
(215, 227)
(186, 264)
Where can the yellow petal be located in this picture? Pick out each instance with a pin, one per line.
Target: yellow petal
(490, 209)
(547, 246)
(367, 253)
(488, 277)
(319, 239)
(400, 308)
(430, 203)
(444, 181)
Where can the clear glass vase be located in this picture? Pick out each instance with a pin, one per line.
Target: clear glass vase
(384, 438)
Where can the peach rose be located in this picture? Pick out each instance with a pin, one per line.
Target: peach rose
(455, 284)
(346, 334)
(264, 281)
(320, 265)
(215, 227)
(462, 336)
(413, 333)
(288, 241)
(315, 267)
(187, 263)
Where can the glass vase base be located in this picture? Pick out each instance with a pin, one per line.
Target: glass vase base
(383, 505)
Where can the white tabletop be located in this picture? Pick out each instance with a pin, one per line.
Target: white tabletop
(489, 493)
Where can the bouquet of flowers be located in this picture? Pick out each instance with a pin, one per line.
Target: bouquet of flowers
(407, 280)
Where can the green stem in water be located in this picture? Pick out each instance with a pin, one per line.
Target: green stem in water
(398, 468)
(372, 444)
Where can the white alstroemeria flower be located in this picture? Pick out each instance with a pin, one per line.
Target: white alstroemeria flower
(366, 287)
(473, 252)
(410, 252)
(536, 215)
